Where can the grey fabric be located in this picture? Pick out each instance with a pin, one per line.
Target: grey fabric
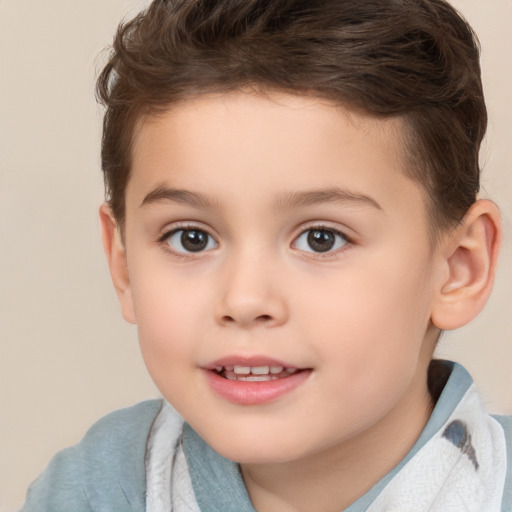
(104, 472)
(217, 482)
(506, 423)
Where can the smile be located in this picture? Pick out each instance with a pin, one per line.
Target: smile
(254, 381)
(254, 373)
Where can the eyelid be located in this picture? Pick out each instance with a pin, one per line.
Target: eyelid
(327, 226)
(169, 229)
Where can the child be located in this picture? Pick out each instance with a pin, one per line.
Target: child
(291, 221)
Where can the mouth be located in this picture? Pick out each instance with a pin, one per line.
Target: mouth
(263, 373)
(254, 380)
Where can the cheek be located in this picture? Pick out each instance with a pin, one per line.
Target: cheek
(368, 297)
(167, 336)
(169, 314)
(372, 319)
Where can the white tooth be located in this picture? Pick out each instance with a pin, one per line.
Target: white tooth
(242, 370)
(260, 370)
(276, 369)
(291, 370)
(256, 378)
(231, 377)
(218, 368)
(229, 368)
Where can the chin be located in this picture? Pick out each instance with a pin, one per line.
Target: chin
(247, 450)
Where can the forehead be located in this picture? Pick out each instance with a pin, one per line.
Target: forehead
(266, 147)
(304, 119)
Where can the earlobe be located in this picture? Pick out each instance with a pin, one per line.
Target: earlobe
(470, 261)
(116, 258)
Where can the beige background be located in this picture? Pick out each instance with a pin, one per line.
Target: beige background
(66, 356)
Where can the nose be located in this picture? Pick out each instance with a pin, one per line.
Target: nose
(252, 294)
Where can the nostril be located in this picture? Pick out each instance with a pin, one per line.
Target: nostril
(264, 318)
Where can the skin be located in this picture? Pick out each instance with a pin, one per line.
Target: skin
(363, 318)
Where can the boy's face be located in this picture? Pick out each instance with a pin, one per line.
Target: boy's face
(281, 231)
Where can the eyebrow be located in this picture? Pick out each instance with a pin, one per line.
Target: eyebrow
(328, 195)
(286, 200)
(178, 196)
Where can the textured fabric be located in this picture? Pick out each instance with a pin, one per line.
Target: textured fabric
(167, 475)
(462, 467)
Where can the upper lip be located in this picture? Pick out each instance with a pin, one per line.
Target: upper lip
(250, 361)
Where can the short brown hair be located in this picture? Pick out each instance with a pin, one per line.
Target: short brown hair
(417, 59)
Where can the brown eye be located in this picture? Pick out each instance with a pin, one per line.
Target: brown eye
(193, 240)
(190, 240)
(320, 240)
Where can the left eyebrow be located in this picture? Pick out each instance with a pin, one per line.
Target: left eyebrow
(178, 196)
(327, 195)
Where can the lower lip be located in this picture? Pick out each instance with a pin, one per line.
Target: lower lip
(254, 393)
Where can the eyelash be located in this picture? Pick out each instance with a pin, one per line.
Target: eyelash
(164, 241)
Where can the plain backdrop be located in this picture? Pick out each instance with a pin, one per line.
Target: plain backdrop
(66, 356)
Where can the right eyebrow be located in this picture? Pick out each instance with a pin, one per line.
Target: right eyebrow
(327, 195)
(163, 194)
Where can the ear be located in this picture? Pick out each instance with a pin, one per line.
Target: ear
(470, 255)
(116, 257)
